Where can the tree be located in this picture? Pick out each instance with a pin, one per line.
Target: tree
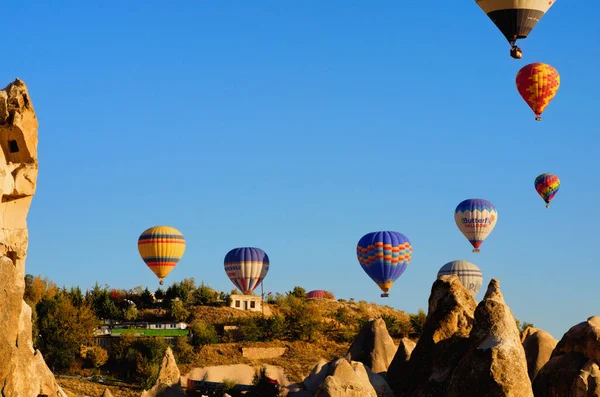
(131, 313)
(96, 356)
(203, 333)
(204, 295)
(183, 351)
(159, 294)
(146, 298)
(264, 386)
(302, 320)
(177, 311)
(298, 292)
(417, 323)
(63, 328)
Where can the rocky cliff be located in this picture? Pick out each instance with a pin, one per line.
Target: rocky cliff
(23, 371)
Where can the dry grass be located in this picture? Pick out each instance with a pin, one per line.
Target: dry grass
(80, 388)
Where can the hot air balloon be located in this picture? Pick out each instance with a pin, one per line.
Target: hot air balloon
(161, 247)
(475, 219)
(538, 83)
(384, 256)
(468, 273)
(515, 18)
(246, 267)
(547, 186)
(319, 294)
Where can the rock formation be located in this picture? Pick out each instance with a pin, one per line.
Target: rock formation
(107, 393)
(538, 345)
(373, 346)
(494, 364)
(344, 380)
(440, 348)
(400, 361)
(168, 383)
(573, 369)
(23, 371)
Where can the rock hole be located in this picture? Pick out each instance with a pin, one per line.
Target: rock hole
(13, 146)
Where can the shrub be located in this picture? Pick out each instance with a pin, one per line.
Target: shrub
(203, 333)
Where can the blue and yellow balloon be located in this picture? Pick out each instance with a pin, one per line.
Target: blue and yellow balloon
(384, 256)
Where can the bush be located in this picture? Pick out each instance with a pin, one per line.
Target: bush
(263, 386)
(303, 321)
(203, 333)
(96, 356)
(183, 351)
(397, 327)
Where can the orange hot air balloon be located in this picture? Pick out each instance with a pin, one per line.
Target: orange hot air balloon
(538, 83)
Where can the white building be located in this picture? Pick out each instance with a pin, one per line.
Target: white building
(246, 302)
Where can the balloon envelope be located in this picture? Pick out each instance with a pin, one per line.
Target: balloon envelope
(515, 18)
(475, 218)
(468, 273)
(547, 186)
(161, 247)
(246, 267)
(319, 294)
(537, 84)
(384, 256)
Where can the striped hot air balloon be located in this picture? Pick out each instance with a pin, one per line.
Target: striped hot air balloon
(468, 273)
(161, 247)
(547, 186)
(384, 256)
(246, 267)
(475, 218)
(515, 18)
(537, 84)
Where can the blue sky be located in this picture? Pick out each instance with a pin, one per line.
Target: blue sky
(298, 127)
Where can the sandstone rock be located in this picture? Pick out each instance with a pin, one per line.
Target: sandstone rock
(373, 346)
(538, 345)
(169, 372)
(573, 367)
(23, 371)
(168, 383)
(494, 364)
(107, 393)
(400, 361)
(441, 346)
(344, 381)
(317, 376)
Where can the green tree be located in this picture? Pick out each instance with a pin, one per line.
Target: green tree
(204, 295)
(131, 313)
(146, 298)
(203, 333)
(417, 323)
(302, 320)
(397, 328)
(177, 311)
(183, 351)
(273, 328)
(264, 386)
(159, 294)
(249, 330)
(298, 292)
(62, 329)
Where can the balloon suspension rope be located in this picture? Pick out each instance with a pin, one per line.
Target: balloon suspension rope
(547, 205)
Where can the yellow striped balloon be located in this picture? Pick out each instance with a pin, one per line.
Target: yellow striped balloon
(161, 247)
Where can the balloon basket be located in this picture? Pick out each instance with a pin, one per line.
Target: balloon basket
(538, 118)
(476, 250)
(385, 295)
(162, 282)
(547, 205)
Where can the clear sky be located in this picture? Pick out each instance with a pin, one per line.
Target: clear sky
(299, 126)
